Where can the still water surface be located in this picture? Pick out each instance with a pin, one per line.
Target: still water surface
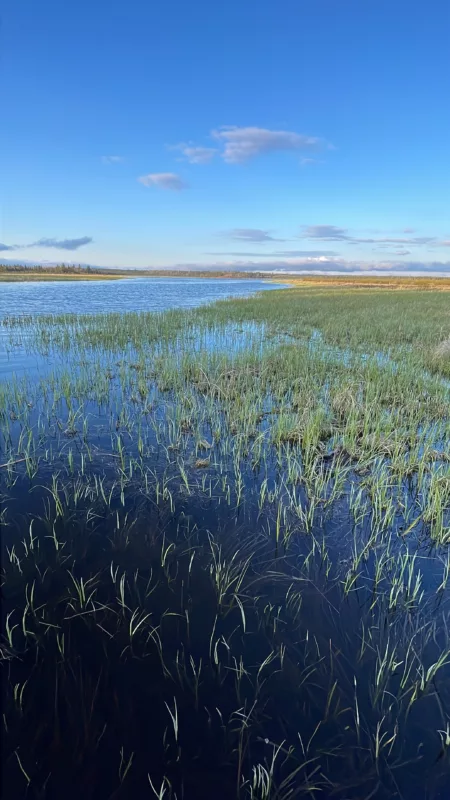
(129, 294)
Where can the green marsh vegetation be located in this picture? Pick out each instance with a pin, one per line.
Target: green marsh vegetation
(225, 550)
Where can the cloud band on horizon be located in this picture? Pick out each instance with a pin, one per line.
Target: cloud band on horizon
(323, 264)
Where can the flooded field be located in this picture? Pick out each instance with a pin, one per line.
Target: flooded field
(225, 559)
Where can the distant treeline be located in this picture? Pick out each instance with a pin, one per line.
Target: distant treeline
(59, 268)
(77, 269)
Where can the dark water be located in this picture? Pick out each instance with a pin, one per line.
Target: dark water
(129, 294)
(108, 696)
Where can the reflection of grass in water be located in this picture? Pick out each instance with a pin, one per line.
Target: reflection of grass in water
(225, 551)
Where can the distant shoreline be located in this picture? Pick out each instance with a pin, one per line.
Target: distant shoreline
(51, 276)
(31, 275)
(354, 281)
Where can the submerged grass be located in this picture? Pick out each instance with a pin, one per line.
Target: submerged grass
(225, 550)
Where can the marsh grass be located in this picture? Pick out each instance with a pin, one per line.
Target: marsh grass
(440, 360)
(225, 551)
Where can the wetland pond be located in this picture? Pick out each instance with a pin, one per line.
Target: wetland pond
(121, 295)
(224, 552)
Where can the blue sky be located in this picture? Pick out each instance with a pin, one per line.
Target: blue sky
(296, 134)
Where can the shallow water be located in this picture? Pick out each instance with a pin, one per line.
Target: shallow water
(91, 297)
(143, 587)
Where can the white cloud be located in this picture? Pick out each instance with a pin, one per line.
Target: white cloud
(163, 180)
(241, 144)
(196, 154)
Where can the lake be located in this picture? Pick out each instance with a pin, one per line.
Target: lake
(128, 294)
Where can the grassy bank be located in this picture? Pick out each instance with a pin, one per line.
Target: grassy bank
(19, 273)
(225, 550)
(365, 282)
(371, 281)
(11, 277)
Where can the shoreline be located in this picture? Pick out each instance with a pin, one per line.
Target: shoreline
(92, 278)
(21, 278)
(321, 282)
(11, 276)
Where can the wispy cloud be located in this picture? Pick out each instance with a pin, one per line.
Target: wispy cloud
(445, 243)
(249, 235)
(58, 244)
(112, 159)
(164, 180)
(196, 154)
(415, 240)
(330, 233)
(242, 144)
(62, 244)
